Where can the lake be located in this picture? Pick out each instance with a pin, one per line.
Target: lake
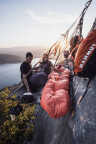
(9, 74)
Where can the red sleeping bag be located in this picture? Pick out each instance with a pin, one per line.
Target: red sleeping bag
(55, 97)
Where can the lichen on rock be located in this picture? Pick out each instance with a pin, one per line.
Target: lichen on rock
(19, 130)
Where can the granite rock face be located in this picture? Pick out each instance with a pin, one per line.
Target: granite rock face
(84, 120)
(51, 131)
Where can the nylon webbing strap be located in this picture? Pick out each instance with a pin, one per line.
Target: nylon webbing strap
(93, 26)
(78, 30)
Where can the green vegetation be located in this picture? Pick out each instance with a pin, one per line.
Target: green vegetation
(20, 129)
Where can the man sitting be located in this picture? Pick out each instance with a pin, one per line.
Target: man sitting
(68, 62)
(26, 70)
(45, 65)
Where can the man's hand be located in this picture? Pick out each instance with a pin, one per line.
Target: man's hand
(29, 73)
(24, 76)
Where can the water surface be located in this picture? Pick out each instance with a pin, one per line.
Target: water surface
(9, 74)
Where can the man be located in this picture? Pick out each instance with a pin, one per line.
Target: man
(68, 62)
(26, 70)
(45, 65)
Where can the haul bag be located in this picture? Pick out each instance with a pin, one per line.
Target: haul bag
(85, 51)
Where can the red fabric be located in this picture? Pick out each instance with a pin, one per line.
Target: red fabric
(59, 104)
(62, 84)
(83, 48)
(53, 75)
(55, 98)
(60, 68)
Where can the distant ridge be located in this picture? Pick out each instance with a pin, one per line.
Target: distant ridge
(20, 52)
(6, 58)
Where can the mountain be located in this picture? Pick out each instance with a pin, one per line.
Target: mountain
(17, 54)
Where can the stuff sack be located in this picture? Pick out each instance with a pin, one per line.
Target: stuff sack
(37, 81)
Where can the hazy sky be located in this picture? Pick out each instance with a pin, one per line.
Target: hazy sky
(39, 22)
